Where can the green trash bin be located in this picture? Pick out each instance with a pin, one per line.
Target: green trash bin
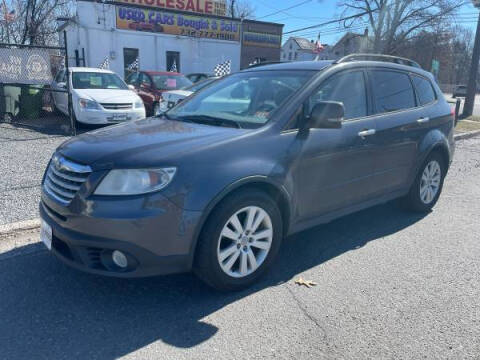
(31, 101)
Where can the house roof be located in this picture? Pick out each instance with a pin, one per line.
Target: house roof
(304, 44)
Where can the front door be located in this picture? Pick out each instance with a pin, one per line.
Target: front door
(334, 166)
(61, 97)
(146, 91)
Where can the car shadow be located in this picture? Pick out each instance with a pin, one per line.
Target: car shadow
(48, 310)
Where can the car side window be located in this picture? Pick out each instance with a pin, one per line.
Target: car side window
(348, 88)
(392, 91)
(132, 79)
(424, 89)
(145, 81)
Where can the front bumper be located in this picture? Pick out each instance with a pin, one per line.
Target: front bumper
(157, 240)
(109, 116)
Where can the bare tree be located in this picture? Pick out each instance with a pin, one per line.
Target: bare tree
(394, 21)
(240, 9)
(35, 21)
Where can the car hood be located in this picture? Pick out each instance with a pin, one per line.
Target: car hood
(114, 96)
(143, 143)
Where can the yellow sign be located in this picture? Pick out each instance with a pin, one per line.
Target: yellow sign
(211, 7)
(177, 24)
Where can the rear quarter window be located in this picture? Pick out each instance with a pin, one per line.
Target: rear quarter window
(424, 90)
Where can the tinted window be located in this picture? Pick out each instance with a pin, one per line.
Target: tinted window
(424, 90)
(393, 91)
(347, 88)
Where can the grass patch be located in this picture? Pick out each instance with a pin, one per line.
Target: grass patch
(467, 126)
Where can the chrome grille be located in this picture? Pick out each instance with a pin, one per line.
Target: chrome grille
(64, 178)
(109, 106)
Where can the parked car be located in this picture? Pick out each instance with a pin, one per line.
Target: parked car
(460, 91)
(98, 96)
(196, 77)
(150, 85)
(173, 97)
(217, 182)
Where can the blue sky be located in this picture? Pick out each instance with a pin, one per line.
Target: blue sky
(317, 11)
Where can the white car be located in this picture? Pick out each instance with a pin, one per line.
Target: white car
(173, 97)
(98, 96)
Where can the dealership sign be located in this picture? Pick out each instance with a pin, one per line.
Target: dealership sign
(177, 24)
(262, 40)
(25, 66)
(211, 7)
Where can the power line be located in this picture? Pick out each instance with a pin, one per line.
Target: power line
(331, 22)
(282, 10)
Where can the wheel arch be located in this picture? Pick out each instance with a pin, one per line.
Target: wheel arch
(276, 191)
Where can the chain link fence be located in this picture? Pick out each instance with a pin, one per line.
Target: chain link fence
(29, 94)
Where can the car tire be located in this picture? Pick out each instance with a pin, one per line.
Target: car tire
(428, 184)
(211, 261)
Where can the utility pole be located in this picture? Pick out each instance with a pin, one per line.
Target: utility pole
(232, 8)
(472, 79)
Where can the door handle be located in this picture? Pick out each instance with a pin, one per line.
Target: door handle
(423, 120)
(368, 132)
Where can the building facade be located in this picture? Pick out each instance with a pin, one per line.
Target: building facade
(298, 49)
(156, 34)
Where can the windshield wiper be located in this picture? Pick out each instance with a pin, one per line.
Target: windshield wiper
(208, 120)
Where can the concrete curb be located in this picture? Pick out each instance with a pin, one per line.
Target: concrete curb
(8, 229)
(466, 135)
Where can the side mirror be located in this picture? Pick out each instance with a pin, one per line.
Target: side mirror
(62, 85)
(326, 115)
(131, 87)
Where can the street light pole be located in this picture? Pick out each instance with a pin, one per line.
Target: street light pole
(472, 79)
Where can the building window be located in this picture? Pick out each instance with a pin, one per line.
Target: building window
(290, 46)
(289, 56)
(131, 61)
(296, 55)
(173, 57)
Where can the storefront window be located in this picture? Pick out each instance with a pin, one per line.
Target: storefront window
(130, 61)
(173, 61)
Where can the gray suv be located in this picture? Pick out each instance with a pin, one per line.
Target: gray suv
(215, 184)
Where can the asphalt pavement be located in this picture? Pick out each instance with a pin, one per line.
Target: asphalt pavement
(390, 284)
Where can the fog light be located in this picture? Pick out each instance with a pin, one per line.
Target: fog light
(119, 259)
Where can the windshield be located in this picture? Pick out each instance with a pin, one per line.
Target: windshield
(200, 85)
(97, 80)
(171, 82)
(247, 98)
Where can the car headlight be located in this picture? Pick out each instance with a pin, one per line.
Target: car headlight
(135, 181)
(87, 104)
(139, 104)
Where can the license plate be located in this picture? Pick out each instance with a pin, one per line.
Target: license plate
(119, 117)
(46, 235)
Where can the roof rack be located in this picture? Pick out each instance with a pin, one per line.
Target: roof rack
(378, 57)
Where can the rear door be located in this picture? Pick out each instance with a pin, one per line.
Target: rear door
(399, 128)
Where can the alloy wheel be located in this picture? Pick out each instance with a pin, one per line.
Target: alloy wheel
(245, 241)
(430, 182)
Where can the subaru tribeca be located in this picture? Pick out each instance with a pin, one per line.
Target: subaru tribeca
(215, 184)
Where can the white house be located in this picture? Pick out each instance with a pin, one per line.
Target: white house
(298, 49)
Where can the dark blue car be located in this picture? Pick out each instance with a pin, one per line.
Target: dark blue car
(217, 182)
